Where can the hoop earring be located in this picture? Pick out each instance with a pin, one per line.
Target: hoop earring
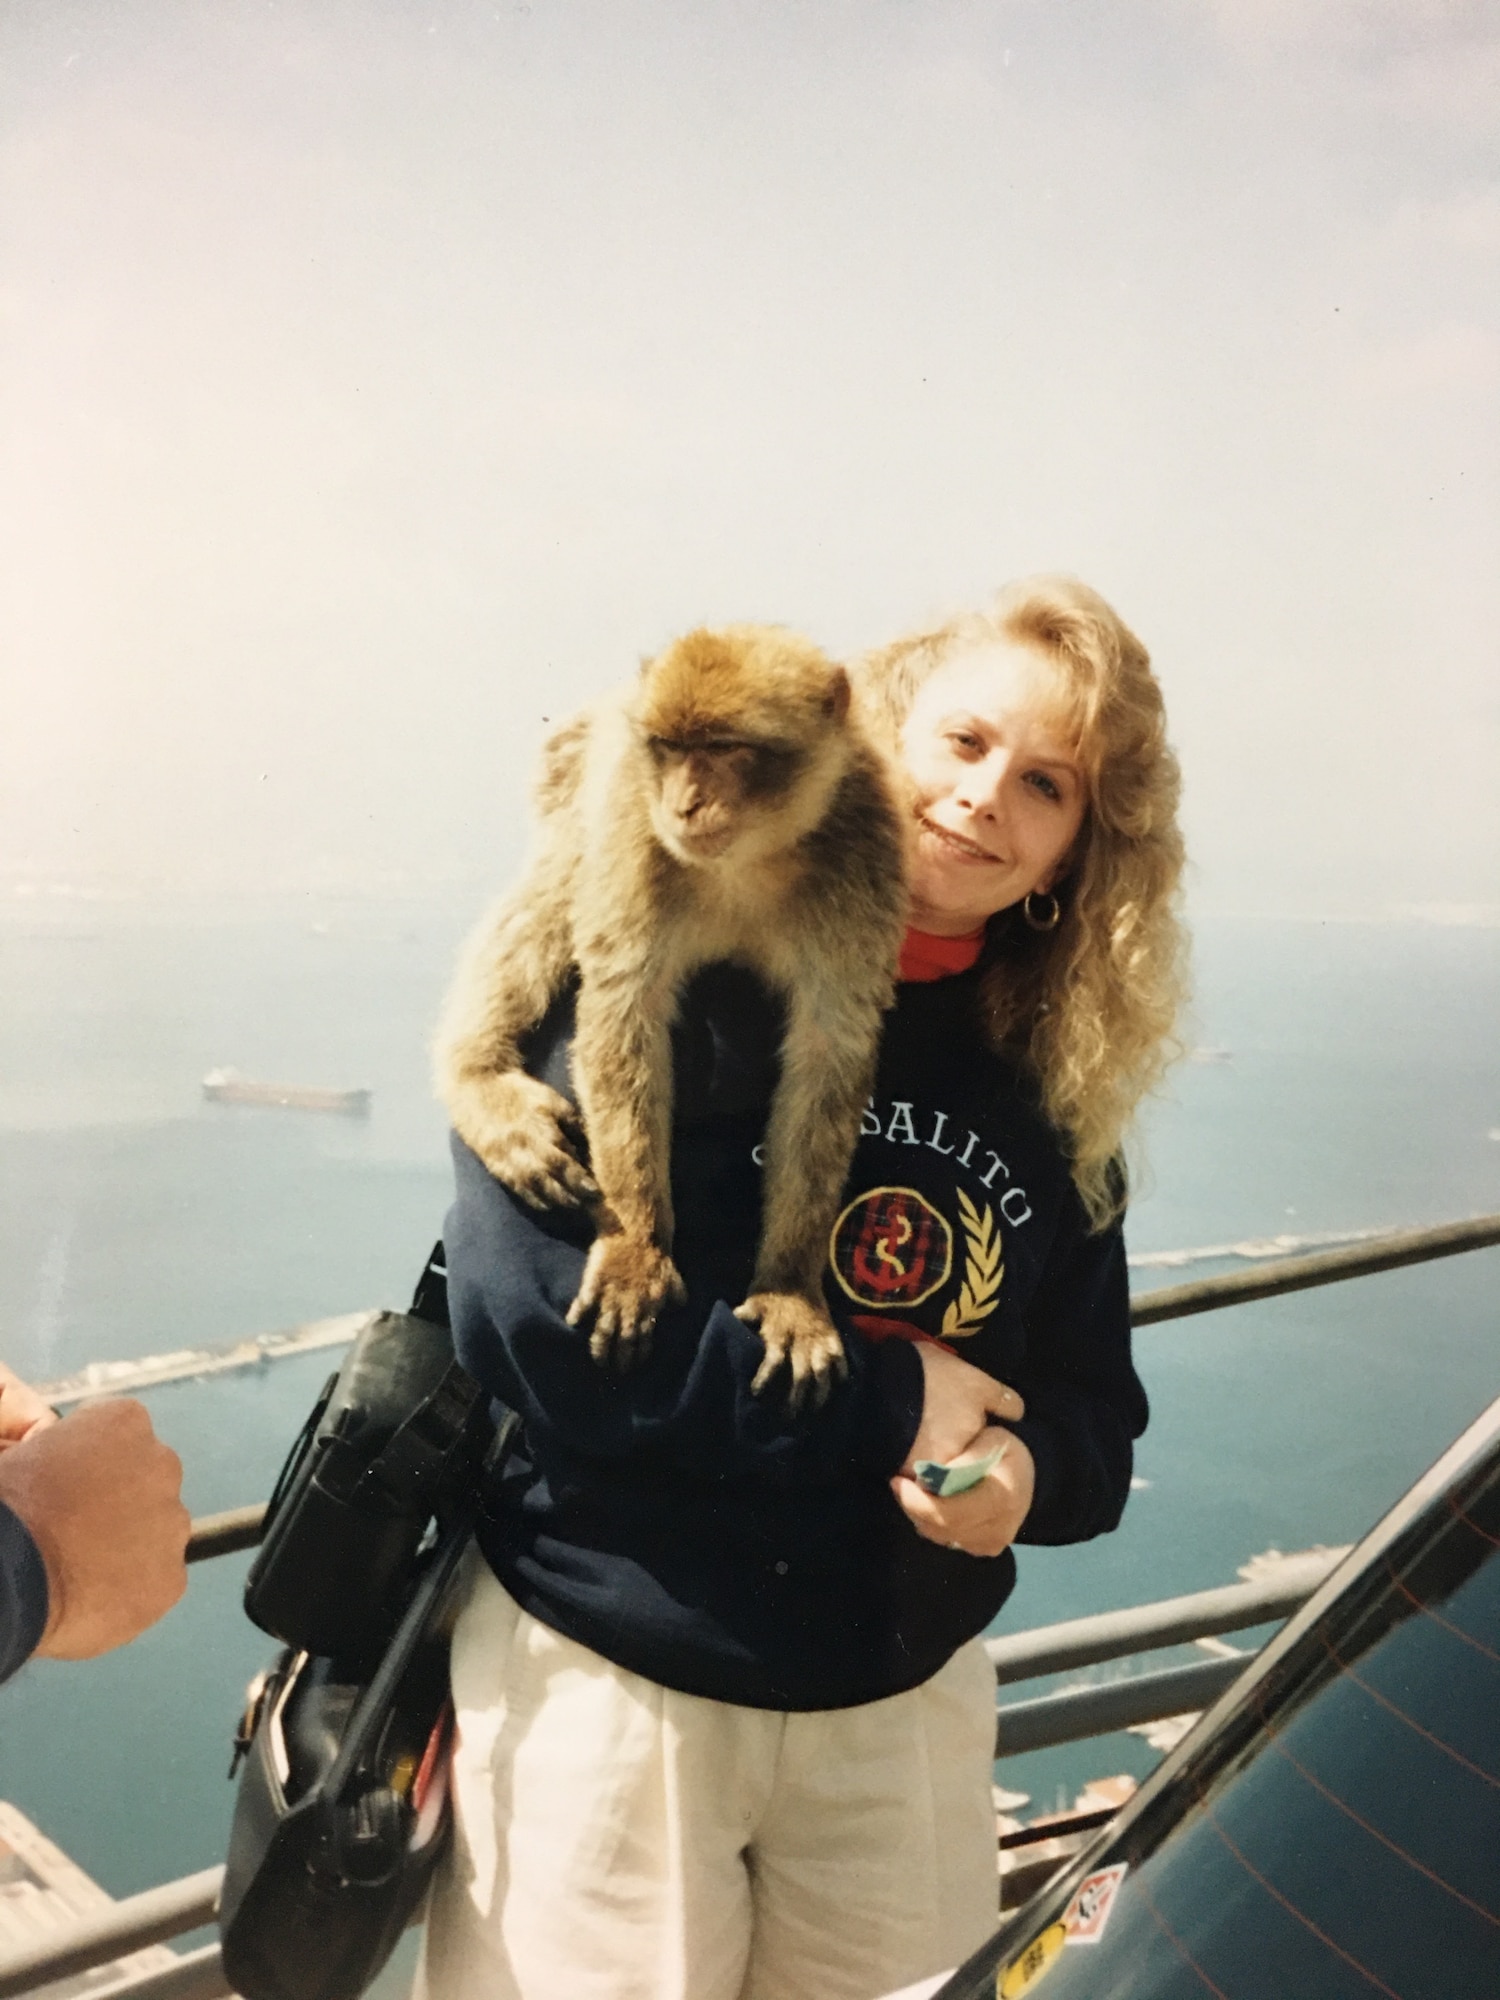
(1031, 910)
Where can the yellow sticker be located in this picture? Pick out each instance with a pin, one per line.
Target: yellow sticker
(1032, 1966)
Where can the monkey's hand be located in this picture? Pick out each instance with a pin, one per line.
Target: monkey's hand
(626, 1282)
(526, 1133)
(800, 1336)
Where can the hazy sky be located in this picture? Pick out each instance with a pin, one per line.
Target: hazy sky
(377, 379)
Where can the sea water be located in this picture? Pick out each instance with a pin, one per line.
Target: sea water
(1350, 1078)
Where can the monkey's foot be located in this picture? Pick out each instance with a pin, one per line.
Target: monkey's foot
(527, 1134)
(799, 1336)
(626, 1282)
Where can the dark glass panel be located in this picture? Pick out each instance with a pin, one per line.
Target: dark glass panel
(1340, 1836)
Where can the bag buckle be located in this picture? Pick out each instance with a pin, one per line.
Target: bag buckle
(255, 1704)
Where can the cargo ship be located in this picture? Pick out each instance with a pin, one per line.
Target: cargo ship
(227, 1086)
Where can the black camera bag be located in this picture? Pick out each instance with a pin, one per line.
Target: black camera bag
(394, 1442)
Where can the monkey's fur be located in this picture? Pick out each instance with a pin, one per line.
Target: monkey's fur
(725, 806)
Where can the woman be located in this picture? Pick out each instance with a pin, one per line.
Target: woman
(725, 1727)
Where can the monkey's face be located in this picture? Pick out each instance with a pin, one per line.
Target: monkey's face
(743, 730)
(712, 795)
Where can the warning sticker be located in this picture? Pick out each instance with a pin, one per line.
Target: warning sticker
(1085, 1917)
(1033, 1965)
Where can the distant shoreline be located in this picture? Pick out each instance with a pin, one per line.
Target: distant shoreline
(193, 1364)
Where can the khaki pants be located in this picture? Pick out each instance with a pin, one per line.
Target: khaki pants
(615, 1840)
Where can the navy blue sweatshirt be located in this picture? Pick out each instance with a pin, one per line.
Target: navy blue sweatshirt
(23, 1594)
(699, 1535)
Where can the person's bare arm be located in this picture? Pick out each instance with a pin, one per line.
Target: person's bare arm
(100, 1495)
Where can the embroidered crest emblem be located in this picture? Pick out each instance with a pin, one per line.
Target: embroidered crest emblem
(984, 1267)
(891, 1247)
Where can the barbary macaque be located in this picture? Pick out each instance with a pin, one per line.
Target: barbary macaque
(725, 806)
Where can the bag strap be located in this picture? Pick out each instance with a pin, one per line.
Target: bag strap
(430, 1300)
(374, 1704)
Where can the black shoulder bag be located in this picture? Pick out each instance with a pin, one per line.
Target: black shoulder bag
(343, 1807)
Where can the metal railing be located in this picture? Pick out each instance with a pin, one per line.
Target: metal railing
(156, 1914)
(1172, 1621)
(1074, 1713)
(175, 1908)
(178, 1907)
(239, 1527)
(225, 1534)
(1323, 1267)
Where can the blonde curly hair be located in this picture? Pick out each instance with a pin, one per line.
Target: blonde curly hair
(1090, 1006)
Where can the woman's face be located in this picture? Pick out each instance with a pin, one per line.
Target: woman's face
(1000, 792)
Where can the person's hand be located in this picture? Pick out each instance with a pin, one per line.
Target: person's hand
(100, 1494)
(988, 1517)
(22, 1410)
(958, 1401)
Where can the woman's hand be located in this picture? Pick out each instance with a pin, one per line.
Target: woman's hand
(988, 1517)
(958, 1401)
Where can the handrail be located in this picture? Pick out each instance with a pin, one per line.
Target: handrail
(129, 1925)
(173, 1908)
(222, 1535)
(1100, 1711)
(1171, 1621)
(1323, 1267)
(176, 1907)
(239, 1527)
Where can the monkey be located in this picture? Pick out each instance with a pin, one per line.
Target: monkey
(726, 805)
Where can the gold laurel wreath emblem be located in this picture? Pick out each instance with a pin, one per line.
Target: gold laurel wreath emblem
(984, 1267)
